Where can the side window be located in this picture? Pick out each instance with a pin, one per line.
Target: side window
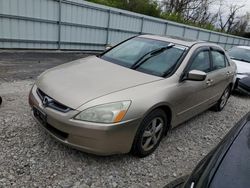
(201, 62)
(218, 59)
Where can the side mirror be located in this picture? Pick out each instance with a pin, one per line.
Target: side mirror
(196, 75)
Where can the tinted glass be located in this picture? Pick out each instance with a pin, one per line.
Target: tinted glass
(162, 63)
(201, 62)
(129, 52)
(219, 60)
(240, 54)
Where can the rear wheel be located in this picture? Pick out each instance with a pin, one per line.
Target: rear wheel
(150, 133)
(223, 100)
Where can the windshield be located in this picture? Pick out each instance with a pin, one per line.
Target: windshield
(131, 52)
(241, 54)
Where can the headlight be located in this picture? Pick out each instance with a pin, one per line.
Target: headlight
(106, 113)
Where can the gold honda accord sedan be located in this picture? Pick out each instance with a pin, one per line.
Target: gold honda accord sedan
(127, 98)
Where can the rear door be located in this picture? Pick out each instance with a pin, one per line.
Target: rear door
(221, 73)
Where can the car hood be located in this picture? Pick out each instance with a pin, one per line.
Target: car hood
(242, 67)
(80, 81)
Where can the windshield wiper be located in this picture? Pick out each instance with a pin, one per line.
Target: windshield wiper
(149, 55)
(240, 59)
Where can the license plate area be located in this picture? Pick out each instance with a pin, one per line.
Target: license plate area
(40, 116)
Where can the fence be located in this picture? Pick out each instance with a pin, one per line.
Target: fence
(80, 25)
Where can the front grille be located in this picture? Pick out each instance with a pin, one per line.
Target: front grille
(52, 103)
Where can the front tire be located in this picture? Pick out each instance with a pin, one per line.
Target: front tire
(150, 133)
(223, 100)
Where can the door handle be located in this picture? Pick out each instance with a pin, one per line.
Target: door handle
(228, 73)
(209, 82)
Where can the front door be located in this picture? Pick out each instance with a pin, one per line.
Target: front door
(195, 95)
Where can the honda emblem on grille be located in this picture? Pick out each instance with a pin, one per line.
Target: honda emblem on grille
(46, 101)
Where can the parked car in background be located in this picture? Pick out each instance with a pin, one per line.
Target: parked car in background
(241, 56)
(127, 98)
(243, 85)
(226, 166)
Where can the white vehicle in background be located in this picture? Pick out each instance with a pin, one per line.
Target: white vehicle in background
(241, 56)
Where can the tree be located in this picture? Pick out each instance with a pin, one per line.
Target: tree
(240, 26)
(229, 21)
(191, 12)
(147, 7)
(194, 12)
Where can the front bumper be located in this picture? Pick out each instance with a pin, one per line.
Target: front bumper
(96, 138)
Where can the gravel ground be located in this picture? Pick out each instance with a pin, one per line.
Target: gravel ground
(29, 157)
(21, 65)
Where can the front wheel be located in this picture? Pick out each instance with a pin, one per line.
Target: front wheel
(150, 133)
(223, 100)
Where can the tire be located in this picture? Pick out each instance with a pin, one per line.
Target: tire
(219, 106)
(0, 100)
(150, 133)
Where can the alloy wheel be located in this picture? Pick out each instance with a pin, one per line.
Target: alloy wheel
(152, 134)
(224, 98)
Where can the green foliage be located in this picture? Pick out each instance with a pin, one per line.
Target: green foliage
(147, 7)
(247, 35)
(112, 3)
(151, 8)
(175, 17)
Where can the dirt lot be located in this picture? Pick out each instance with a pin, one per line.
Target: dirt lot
(29, 157)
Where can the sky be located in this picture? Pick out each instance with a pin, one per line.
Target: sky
(227, 3)
(246, 8)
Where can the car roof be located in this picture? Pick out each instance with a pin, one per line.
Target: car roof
(176, 40)
(228, 161)
(244, 47)
(234, 169)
